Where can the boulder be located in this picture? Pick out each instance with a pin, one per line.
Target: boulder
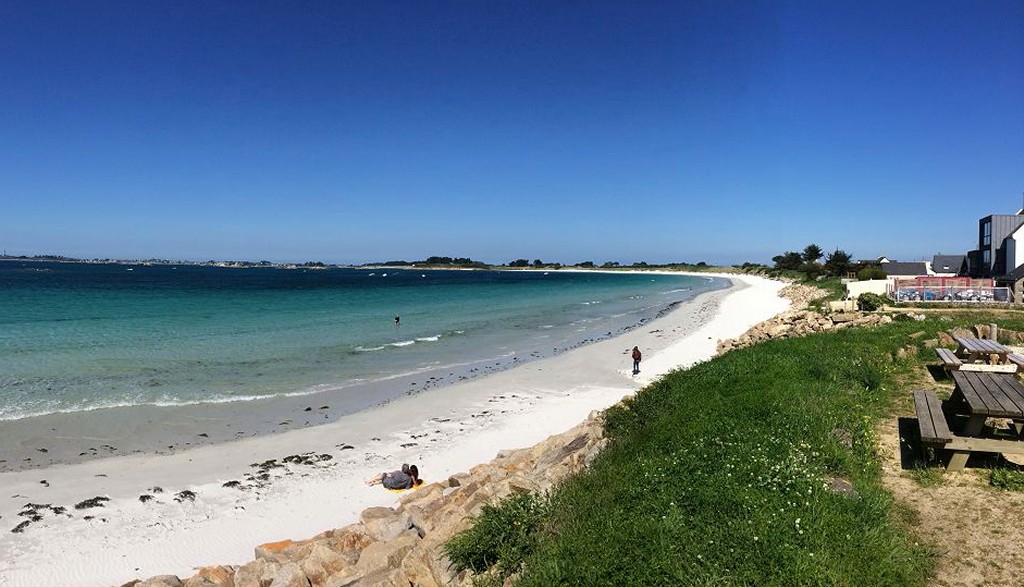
(290, 575)
(258, 573)
(212, 577)
(160, 581)
(386, 555)
(383, 523)
(423, 568)
(352, 538)
(278, 552)
(323, 562)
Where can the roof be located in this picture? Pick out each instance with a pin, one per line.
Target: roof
(897, 268)
(1014, 275)
(947, 263)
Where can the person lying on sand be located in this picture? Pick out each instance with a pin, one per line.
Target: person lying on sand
(408, 477)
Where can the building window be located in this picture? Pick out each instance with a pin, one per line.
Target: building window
(986, 234)
(986, 257)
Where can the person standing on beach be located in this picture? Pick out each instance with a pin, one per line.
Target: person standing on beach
(636, 360)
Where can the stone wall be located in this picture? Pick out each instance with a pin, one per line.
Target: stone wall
(402, 546)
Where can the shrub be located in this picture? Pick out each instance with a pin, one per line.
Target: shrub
(501, 537)
(869, 302)
(868, 273)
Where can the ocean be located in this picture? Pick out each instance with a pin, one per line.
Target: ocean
(79, 337)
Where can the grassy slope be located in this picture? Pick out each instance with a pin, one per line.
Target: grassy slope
(718, 475)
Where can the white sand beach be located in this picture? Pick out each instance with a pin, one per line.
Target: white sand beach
(444, 431)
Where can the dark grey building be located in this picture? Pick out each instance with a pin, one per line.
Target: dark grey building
(956, 264)
(911, 269)
(991, 256)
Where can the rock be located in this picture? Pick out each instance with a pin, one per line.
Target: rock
(379, 578)
(95, 502)
(384, 523)
(212, 577)
(161, 581)
(946, 340)
(323, 562)
(258, 573)
(274, 551)
(842, 487)
(907, 351)
(960, 333)
(423, 569)
(290, 575)
(349, 539)
(386, 555)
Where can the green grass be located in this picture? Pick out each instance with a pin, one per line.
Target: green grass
(501, 537)
(720, 475)
(1007, 479)
(926, 476)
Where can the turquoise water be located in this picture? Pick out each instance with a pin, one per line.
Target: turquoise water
(77, 337)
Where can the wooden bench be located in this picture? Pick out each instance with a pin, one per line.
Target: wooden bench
(934, 429)
(1016, 359)
(950, 362)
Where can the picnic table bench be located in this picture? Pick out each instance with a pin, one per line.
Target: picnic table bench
(950, 362)
(934, 429)
(1016, 359)
(978, 396)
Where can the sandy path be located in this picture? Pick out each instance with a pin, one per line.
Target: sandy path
(444, 431)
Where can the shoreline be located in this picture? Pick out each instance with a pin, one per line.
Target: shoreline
(321, 487)
(70, 437)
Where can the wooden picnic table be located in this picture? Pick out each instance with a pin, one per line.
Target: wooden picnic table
(979, 354)
(980, 396)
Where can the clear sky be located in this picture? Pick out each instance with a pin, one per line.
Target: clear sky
(350, 131)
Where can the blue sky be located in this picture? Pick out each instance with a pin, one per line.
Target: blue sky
(567, 131)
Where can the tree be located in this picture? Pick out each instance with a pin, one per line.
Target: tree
(812, 269)
(788, 260)
(587, 264)
(812, 253)
(519, 263)
(538, 263)
(837, 263)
